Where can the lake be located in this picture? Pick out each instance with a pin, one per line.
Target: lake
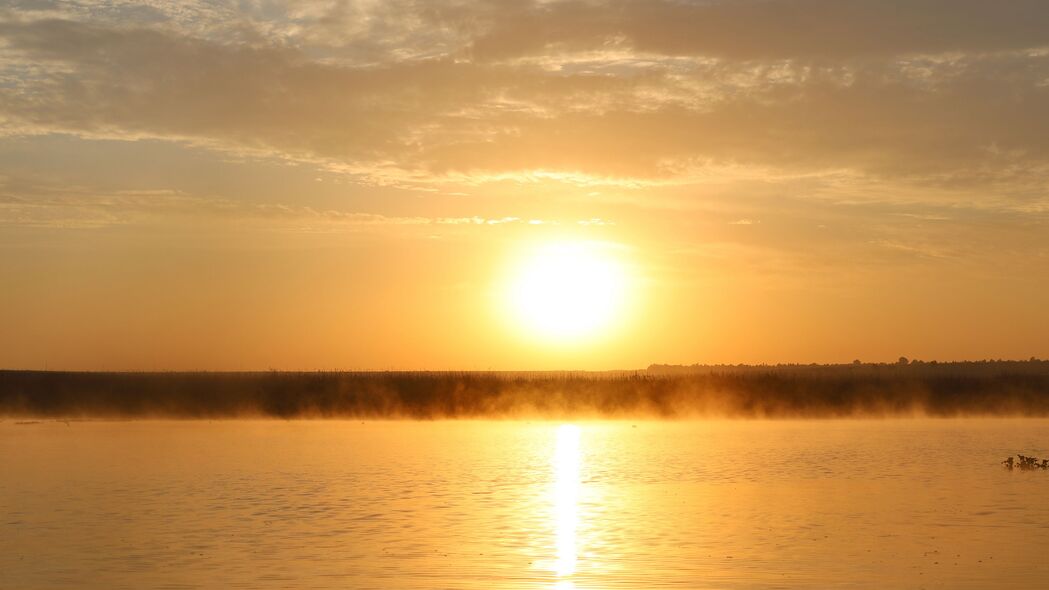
(907, 503)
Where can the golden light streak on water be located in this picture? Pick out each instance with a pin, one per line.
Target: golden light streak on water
(567, 463)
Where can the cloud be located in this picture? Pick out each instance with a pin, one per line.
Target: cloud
(767, 29)
(25, 204)
(628, 94)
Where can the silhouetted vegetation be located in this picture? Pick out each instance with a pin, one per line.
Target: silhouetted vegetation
(915, 387)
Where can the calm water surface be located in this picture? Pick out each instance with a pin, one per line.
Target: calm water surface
(346, 504)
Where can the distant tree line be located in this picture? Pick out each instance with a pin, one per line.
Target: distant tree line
(1033, 365)
(940, 389)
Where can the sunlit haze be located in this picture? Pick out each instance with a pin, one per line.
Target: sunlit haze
(346, 184)
(524, 294)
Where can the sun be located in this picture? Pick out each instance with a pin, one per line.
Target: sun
(568, 291)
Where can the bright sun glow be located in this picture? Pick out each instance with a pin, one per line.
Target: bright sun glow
(569, 291)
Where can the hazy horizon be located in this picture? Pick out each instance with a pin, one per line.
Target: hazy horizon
(524, 294)
(647, 367)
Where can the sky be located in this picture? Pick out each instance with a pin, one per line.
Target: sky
(301, 185)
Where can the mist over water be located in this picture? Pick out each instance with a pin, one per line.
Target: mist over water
(863, 390)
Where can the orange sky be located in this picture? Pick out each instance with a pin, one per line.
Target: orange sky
(352, 185)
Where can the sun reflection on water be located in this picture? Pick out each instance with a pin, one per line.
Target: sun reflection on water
(567, 462)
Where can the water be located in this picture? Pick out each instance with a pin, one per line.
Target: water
(346, 504)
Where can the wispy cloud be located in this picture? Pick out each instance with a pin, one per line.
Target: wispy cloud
(907, 97)
(61, 206)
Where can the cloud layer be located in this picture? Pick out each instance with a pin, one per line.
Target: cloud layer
(926, 92)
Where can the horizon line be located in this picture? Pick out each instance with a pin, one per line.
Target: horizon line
(653, 367)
